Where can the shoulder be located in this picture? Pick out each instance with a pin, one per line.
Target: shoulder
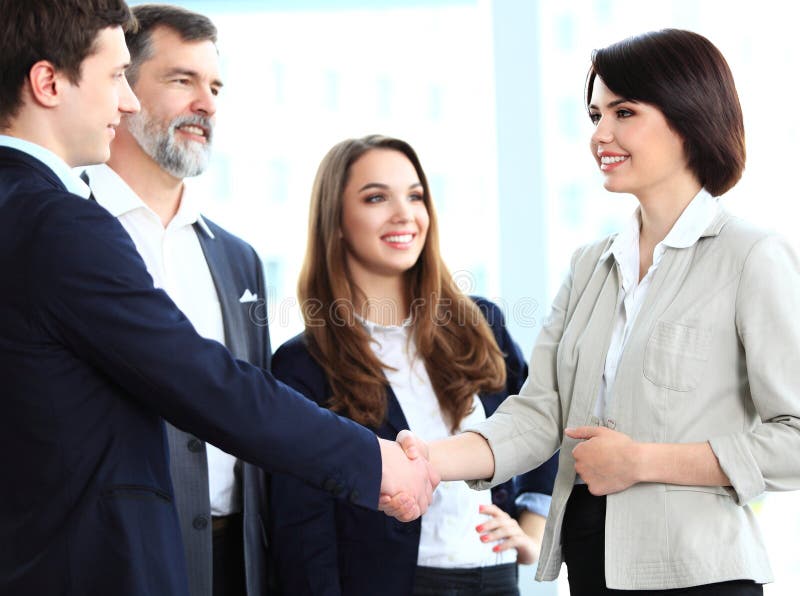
(295, 348)
(588, 255)
(294, 365)
(231, 241)
(740, 237)
(63, 221)
(491, 312)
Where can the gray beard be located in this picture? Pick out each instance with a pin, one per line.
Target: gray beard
(178, 159)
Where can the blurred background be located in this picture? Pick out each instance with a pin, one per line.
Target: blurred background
(490, 94)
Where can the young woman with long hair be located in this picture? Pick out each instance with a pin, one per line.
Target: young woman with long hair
(391, 342)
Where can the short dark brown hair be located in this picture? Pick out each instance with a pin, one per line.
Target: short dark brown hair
(190, 26)
(63, 32)
(687, 78)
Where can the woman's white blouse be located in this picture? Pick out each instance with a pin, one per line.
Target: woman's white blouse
(448, 537)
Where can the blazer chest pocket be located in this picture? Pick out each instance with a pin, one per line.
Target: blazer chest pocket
(676, 355)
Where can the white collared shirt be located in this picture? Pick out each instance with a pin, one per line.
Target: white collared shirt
(67, 175)
(448, 537)
(175, 260)
(686, 231)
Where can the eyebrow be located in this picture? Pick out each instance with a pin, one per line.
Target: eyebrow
(190, 73)
(384, 186)
(615, 103)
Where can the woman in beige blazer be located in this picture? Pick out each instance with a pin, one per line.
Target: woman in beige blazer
(668, 371)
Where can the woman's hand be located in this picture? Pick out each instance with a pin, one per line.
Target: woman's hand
(606, 459)
(507, 532)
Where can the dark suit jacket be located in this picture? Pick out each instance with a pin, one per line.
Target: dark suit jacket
(330, 548)
(235, 267)
(91, 358)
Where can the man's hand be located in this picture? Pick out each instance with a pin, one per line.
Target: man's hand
(606, 459)
(407, 483)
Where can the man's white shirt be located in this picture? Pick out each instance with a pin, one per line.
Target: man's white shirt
(175, 260)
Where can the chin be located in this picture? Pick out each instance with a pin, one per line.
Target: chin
(612, 186)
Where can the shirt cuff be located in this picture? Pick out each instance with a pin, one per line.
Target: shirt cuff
(537, 503)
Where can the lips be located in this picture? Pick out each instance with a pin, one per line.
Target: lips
(399, 239)
(194, 130)
(609, 161)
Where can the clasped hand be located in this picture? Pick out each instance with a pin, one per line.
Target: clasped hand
(407, 482)
(605, 459)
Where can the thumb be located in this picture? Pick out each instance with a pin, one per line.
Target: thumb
(583, 432)
(409, 443)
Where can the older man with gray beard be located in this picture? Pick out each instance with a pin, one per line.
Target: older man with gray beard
(215, 278)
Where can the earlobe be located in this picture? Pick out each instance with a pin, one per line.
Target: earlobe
(45, 84)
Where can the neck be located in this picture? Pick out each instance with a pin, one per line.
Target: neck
(35, 127)
(661, 210)
(158, 189)
(381, 299)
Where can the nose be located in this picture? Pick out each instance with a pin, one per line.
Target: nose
(205, 103)
(128, 102)
(602, 132)
(402, 211)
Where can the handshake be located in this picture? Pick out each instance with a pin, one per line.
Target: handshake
(408, 478)
(412, 469)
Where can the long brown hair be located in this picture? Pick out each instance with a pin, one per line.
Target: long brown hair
(450, 333)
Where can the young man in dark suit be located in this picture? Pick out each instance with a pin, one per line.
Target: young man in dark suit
(93, 357)
(215, 278)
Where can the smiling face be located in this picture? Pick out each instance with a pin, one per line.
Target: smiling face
(384, 216)
(178, 88)
(92, 108)
(635, 148)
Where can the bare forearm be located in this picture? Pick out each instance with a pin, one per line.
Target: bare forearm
(463, 457)
(533, 525)
(610, 461)
(692, 464)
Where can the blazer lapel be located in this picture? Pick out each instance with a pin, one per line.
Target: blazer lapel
(395, 419)
(233, 315)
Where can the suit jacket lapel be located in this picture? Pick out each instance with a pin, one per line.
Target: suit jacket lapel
(233, 315)
(395, 419)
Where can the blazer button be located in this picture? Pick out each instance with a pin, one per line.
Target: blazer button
(354, 495)
(200, 522)
(195, 445)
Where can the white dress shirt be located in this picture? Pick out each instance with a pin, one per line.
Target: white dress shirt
(175, 260)
(686, 231)
(448, 537)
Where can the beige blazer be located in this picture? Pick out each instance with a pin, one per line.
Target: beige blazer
(714, 355)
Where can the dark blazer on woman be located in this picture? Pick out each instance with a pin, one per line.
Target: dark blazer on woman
(324, 547)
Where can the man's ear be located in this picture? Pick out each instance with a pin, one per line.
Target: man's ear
(46, 83)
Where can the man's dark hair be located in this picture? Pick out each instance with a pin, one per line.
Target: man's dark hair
(190, 26)
(63, 32)
(686, 77)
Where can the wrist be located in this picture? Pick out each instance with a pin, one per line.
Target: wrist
(640, 457)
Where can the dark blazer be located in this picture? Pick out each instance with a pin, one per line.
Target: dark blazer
(235, 267)
(91, 358)
(330, 548)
